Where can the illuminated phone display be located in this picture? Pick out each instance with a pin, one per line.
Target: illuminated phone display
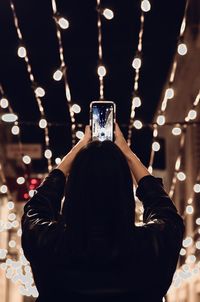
(102, 120)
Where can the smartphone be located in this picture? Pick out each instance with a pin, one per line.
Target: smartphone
(102, 120)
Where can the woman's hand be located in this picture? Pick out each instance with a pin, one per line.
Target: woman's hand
(66, 162)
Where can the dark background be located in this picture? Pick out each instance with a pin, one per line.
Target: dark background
(120, 40)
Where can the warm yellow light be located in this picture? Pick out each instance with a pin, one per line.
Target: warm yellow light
(169, 93)
(9, 117)
(57, 76)
(181, 176)
(156, 146)
(42, 123)
(48, 153)
(137, 63)
(58, 160)
(182, 49)
(15, 130)
(26, 159)
(11, 216)
(4, 103)
(161, 120)
(196, 188)
(182, 252)
(79, 134)
(3, 189)
(178, 163)
(198, 245)
(12, 243)
(187, 241)
(108, 13)
(176, 131)
(137, 101)
(145, 6)
(64, 23)
(189, 209)
(150, 169)
(40, 92)
(21, 52)
(192, 114)
(76, 108)
(191, 259)
(137, 124)
(20, 180)
(101, 71)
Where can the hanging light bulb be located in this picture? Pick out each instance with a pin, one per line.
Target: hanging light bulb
(108, 13)
(57, 76)
(169, 93)
(101, 71)
(182, 49)
(161, 120)
(40, 92)
(9, 117)
(196, 188)
(137, 101)
(189, 209)
(187, 241)
(26, 159)
(4, 103)
(76, 108)
(79, 134)
(63, 23)
(20, 180)
(48, 153)
(58, 160)
(176, 131)
(15, 130)
(156, 146)
(3, 189)
(182, 252)
(137, 124)
(145, 6)
(21, 52)
(42, 123)
(192, 114)
(137, 62)
(181, 176)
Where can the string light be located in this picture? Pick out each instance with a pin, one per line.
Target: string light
(21, 52)
(57, 76)
(48, 153)
(181, 176)
(169, 93)
(76, 108)
(161, 120)
(26, 159)
(156, 146)
(38, 91)
(58, 160)
(137, 63)
(101, 71)
(79, 134)
(137, 102)
(20, 180)
(189, 209)
(4, 103)
(15, 130)
(108, 13)
(43, 123)
(196, 188)
(63, 68)
(176, 131)
(182, 49)
(3, 189)
(9, 117)
(145, 6)
(137, 124)
(63, 23)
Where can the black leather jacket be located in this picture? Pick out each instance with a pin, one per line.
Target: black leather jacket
(153, 253)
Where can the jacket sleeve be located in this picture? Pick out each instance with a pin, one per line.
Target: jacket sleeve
(162, 231)
(41, 219)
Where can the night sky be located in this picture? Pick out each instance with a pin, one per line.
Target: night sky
(120, 40)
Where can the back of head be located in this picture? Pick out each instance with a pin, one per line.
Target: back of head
(99, 194)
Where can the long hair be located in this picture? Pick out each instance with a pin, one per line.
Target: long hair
(99, 201)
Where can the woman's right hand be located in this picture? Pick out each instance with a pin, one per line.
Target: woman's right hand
(121, 142)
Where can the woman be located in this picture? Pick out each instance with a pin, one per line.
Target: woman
(90, 250)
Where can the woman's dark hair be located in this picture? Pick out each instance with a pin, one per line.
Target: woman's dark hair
(99, 197)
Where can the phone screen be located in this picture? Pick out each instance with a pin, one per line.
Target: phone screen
(102, 121)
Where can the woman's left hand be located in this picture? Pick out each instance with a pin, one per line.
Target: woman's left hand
(66, 162)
